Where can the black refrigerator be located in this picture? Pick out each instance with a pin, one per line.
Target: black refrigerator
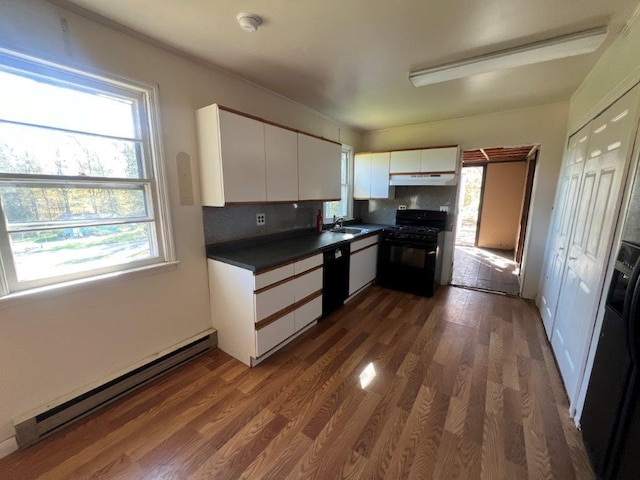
(610, 418)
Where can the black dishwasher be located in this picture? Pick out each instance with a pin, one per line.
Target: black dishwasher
(335, 278)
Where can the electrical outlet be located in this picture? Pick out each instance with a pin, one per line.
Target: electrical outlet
(444, 208)
(261, 219)
(402, 207)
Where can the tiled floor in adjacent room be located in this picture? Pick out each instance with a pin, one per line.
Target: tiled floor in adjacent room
(485, 269)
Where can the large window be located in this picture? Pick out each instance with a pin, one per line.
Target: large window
(343, 207)
(79, 194)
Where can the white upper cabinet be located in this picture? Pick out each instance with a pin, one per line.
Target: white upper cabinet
(362, 176)
(371, 176)
(405, 161)
(245, 160)
(439, 159)
(319, 168)
(425, 160)
(232, 157)
(380, 176)
(281, 152)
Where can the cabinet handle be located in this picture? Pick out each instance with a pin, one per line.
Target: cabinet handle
(572, 258)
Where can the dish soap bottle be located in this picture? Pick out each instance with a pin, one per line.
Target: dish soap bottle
(319, 222)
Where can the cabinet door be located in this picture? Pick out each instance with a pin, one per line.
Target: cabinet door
(281, 157)
(307, 284)
(362, 268)
(273, 300)
(370, 264)
(362, 176)
(380, 175)
(439, 159)
(308, 312)
(243, 161)
(301, 266)
(319, 169)
(406, 161)
(274, 333)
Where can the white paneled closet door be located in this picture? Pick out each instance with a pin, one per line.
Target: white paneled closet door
(589, 244)
(565, 214)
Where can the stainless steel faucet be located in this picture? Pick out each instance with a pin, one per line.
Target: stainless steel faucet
(337, 223)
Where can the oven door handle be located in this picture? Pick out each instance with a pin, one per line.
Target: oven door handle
(409, 244)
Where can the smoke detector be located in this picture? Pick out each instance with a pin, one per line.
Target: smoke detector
(249, 22)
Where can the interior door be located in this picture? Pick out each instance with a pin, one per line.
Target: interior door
(563, 222)
(598, 203)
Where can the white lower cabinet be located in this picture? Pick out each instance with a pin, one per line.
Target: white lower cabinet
(274, 333)
(273, 300)
(254, 314)
(307, 284)
(307, 313)
(363, 263)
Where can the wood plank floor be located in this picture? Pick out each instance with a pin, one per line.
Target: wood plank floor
(465, 386)
(486, 269)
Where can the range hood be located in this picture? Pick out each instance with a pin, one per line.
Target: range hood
(417, 179)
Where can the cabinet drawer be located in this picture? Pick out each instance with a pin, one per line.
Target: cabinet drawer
(272, 276)
(307, 264)
(365, 242)
(307, 284)
(273, 300)
(308, 312)
(274, 333)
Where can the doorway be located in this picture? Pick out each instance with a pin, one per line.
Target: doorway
(493, 206)
(471, 183)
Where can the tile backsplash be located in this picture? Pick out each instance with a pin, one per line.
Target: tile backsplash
(223, 224)
(426, 198)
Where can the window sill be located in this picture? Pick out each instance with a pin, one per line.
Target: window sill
(50, 291)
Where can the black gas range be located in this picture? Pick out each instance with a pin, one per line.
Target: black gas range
(412, 234)
(409, 257)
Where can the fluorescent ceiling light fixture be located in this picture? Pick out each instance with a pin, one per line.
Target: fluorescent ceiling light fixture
(570, 45)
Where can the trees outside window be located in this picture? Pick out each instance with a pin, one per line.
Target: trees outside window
(79, 164)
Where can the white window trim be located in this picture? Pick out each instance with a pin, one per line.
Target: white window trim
(53, 290)
(349, 201)
(350, 163)
(159, 198)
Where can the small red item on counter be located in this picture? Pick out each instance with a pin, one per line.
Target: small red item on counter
(319, 222)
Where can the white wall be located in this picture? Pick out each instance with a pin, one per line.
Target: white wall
(545, 125)
(615, 73)
(62, 343)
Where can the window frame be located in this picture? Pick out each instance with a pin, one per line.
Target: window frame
(348, 149)
(153, 180)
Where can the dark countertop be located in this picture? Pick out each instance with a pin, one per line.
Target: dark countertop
(275, 251)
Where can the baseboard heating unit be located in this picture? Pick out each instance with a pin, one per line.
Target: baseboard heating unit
(33, 429)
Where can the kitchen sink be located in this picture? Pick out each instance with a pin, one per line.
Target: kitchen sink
(346, 230)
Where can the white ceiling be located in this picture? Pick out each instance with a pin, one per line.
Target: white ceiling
(350, 59)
